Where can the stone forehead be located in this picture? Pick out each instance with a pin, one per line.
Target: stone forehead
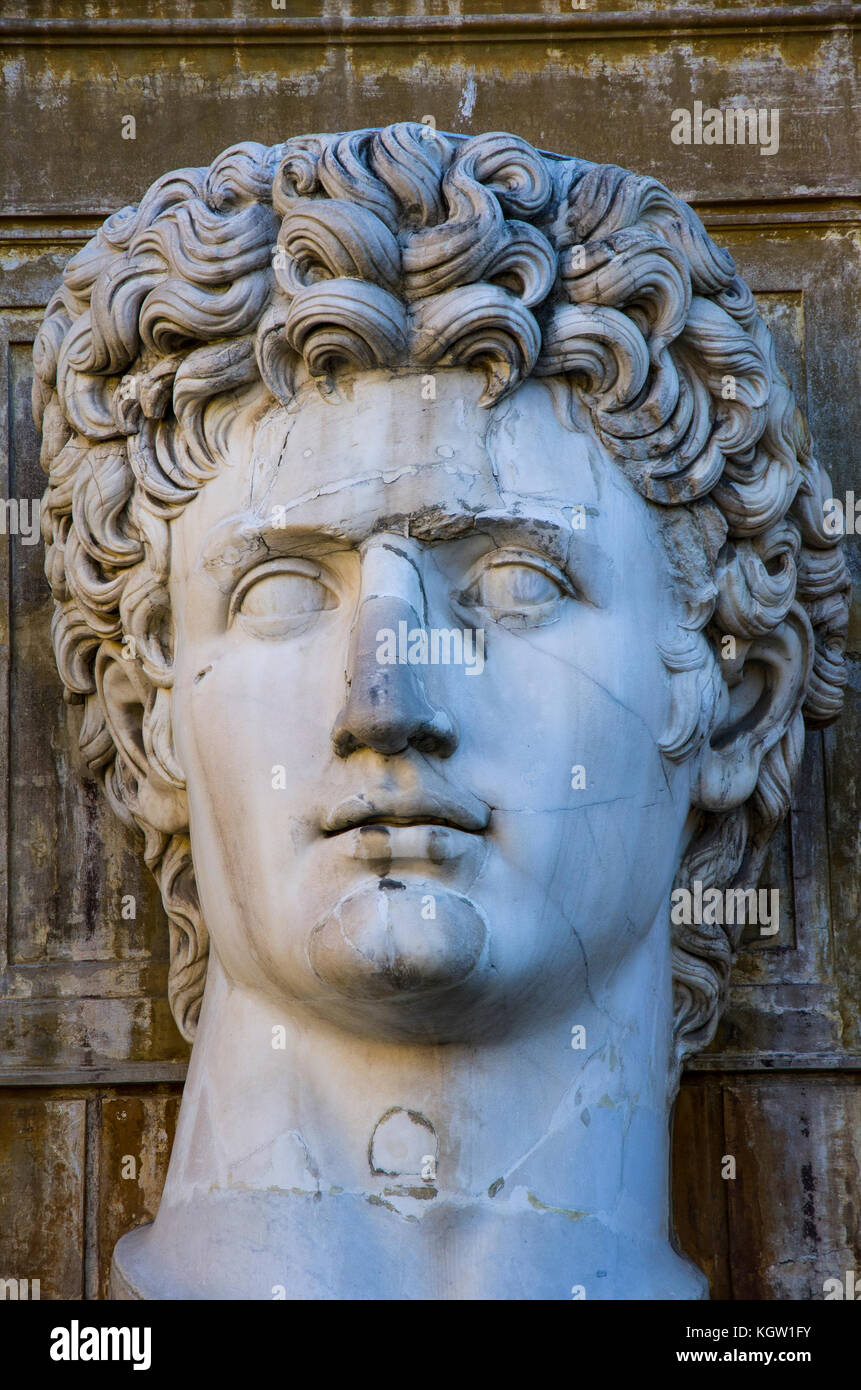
(377, 452)
(383, 426)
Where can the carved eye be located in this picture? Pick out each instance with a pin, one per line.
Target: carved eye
(281, 599)
(525, 589)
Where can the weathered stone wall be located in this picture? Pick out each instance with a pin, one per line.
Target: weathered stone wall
(92, 1064)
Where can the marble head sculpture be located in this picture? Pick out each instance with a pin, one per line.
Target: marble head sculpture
(439, 559)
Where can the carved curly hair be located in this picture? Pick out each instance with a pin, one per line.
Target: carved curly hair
(402, 247)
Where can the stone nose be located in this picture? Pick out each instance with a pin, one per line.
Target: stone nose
(387, 707)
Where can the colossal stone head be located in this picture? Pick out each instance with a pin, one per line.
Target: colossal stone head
(438, 555)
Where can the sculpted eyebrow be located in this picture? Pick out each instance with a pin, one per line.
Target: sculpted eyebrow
(431, 524)
(237, 544)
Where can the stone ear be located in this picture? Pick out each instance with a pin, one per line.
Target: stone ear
(764, 696)
(125, 694)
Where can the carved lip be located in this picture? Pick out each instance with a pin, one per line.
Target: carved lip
(417, 808)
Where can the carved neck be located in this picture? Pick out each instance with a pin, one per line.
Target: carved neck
(329, 1166)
